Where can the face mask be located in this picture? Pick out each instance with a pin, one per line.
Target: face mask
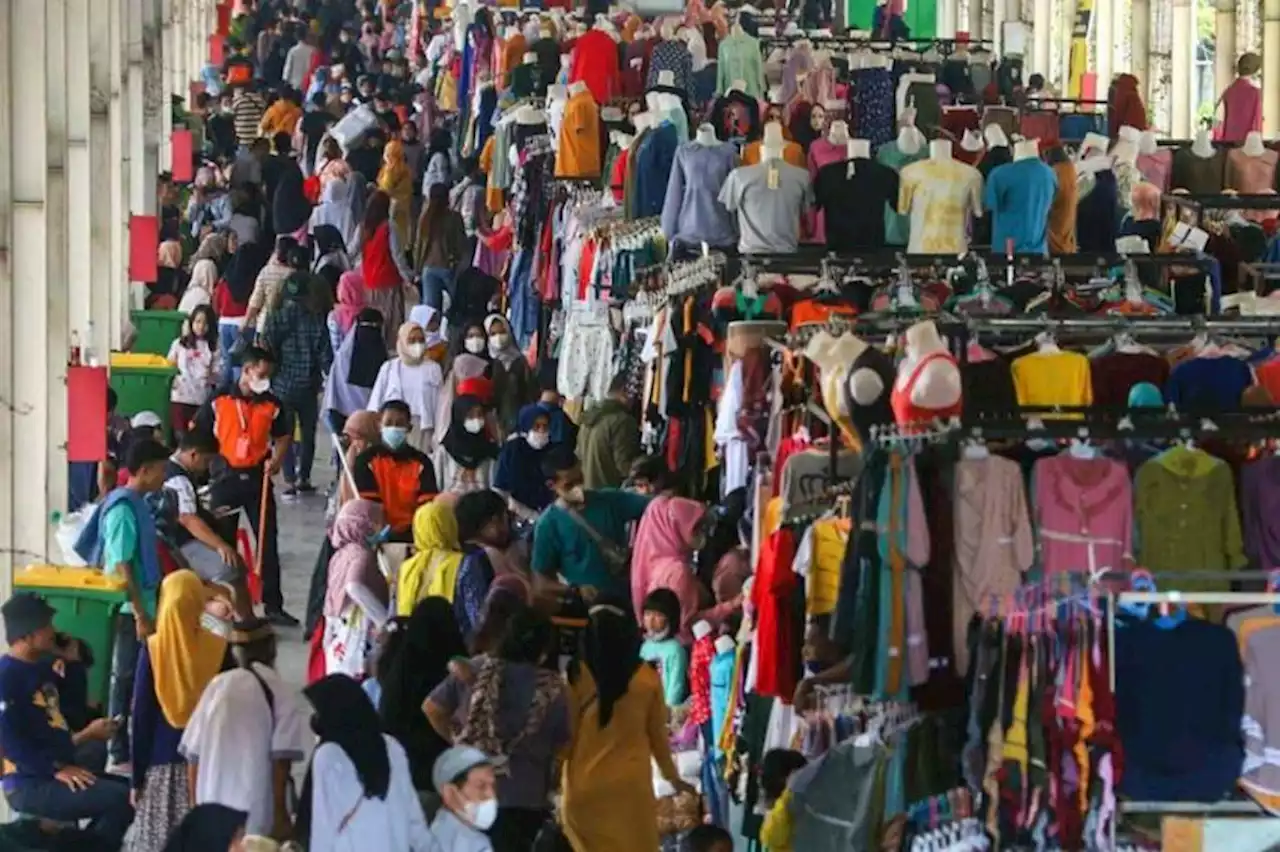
(656, 635)
(482, 814)
(474, 425)
(576, 494)
(260, 385)
(538, 440)
(394, 436)
(416, 350)
(474, 345)
(498, 342)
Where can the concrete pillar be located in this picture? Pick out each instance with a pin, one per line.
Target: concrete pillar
(1104, 32)
(948, 18)
(975, 19)
(80, 255)
(1044, 26)
(9, 496)
(1224, 61)
(57, 269)
(1271, 67)
(1140, 37)
(1180, 95)
(103, 273)
(26, 308)
(121, 157)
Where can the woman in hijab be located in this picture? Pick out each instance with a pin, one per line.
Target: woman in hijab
(330, 253)
(415, 380)
(620, 731)
(466, 370)
(433, 569)
(163, 294)
(174, 667)
(335, 210)
(351, 301)
(669, 534)
(382, 264)
(439, 161)
(468, 453)
(208, 828)
(397, 182)
(358, 794)
(206, 268)
(330, 164)
(519, 474)
(357, 597)
(290, 209)
(231, 298)
(413, 668)
(513, 381)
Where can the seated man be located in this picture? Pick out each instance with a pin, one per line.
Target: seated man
(44, 774)
(394, 473)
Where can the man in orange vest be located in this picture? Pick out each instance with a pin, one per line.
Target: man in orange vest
(253, 432)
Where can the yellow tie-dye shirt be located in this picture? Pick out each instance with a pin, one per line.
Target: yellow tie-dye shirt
(939, 196)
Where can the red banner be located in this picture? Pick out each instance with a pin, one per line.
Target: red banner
(144, 243)
(86, 414)
(183, 147)
(215, 51)
(224, 19)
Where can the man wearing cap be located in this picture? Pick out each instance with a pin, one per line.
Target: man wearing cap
(465, 780)
(45, 771)
(245, 735)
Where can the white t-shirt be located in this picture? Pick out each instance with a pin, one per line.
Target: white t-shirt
(235, 736)
(197, 372)
(416, 385)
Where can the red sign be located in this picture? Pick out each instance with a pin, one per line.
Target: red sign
(144, 243)
(86, 414)
(215, 51)
(224, 19)
(183, 148)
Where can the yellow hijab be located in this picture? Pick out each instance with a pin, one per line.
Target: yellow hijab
(184, 655)
(394, 178)
(439, 555)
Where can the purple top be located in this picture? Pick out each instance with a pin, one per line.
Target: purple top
(691, 210)
(1260, 504)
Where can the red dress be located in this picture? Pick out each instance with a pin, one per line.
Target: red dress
(776, 634)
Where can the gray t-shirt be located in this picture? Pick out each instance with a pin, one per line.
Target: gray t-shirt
(528, 783)
(768, 212)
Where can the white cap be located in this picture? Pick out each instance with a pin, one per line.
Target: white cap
(144, 419)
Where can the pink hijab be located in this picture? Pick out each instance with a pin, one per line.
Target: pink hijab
(664, 536)
(353, 561)
(350, 300)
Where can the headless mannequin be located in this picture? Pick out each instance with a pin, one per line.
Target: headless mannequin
(1024, 149)
(995, 136)
(1147, 144)
(739, 86)
(528, 115)
(557, 92)
(529, 59)
(577, 88)
(938, 384)
(622, 140)
(1125, 152)
(706, 135)
(858, 149)
(605, 25)
(839, 133)
(910, 140)
(1253, 146)
(1203, 145)
(1130, 134)
(972, 141)
(643, 121)
(772, 142)
(940, 151)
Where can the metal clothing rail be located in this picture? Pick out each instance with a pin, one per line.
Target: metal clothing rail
(1197, 203)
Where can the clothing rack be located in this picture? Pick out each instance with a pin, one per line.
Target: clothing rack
(944, 46)
(1197, 204)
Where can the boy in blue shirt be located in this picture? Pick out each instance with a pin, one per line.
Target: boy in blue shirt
(45, 771)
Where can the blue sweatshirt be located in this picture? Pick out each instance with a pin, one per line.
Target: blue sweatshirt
(34, 735)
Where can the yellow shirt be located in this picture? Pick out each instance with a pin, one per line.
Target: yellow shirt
(775, 832)
(939, 196)
(827, 540)
(1053, 378)
(579, 154)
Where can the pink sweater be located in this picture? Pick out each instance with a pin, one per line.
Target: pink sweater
(1084, 514)
(1241, 110)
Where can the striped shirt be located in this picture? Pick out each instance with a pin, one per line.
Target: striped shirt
(247, 109)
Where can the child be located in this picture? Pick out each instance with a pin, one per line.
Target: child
(708, 838)
(776, 769)
(660, 616)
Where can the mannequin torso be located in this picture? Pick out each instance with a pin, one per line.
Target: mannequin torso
(928, 380)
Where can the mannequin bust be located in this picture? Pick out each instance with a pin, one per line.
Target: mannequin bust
(1147, 144)
(995, 136)
(667, 78)
(910, 140)
(557, 92)
(1129, 133)
(529, 59)
(772, 142)
(937, 384)
(622, 140)
(577, 87)
(701, 629)
(643, 121)
(972, 141)
(528, 115)
(858, 149)
(737, 86)
(1253, 144)
(1026, 149)
(838, 134)
(940, 150)
(1203, 145)
(1125, 152)
(706, 135)
(725, 644)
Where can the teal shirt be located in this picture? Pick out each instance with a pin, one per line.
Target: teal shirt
(897, 226)
(120, 544)
(561, 546)
(673, 666)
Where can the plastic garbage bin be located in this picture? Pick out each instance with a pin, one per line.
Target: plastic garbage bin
(156, 330)
(87, 602)
(141, 383)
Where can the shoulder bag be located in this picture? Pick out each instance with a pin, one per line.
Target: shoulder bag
(617, 558)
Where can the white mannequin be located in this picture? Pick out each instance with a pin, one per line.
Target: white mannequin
(701, 629)
(938, 385)
(557, 92)
(834, 355)
(510, 33)
(772, 142)
(577, 87)
(1147, 144)
(642, 121)
(972, 141)
(1203, 145)
(529, 58)
(940, 150)
(737, 85)
(602, 22)
(910, 140)
(838, 134)
(1026, 149)
(706, 135)
(1129, 133)
(995, 136)
(622, 140)
(1253, 144)
(530, 115)
(1125, 152)
(461, 23)
(725, 644)
(667, 78)
(858, 149)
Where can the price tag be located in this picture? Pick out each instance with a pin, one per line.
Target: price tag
(849, 170)
(774, 178)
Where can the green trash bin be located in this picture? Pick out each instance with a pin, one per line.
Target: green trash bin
(141, 383)
(87, 602)
(156, 330)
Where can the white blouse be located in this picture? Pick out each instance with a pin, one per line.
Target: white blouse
(417, 385)
(197, 372)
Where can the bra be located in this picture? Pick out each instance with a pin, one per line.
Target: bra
(908, 414)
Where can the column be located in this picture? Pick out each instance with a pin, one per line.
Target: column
(1271, 67)
(1104, 44)
(948, 18)
(26, 306)
(1180, 95)
(57, 248)
(80, 254)
(9, 497)
(152, 94)
(121, 155)
(975, 19)
(106, 169)
(1140, 34)
(1044, 27)
(1224, 60)
(162, 65)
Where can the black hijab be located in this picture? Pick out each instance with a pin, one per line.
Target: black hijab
(467, 449)
(368, 350)
(345, 717)
(290, 208)
(328, 239)
(206, 828)
(242, 271)
(417, 666)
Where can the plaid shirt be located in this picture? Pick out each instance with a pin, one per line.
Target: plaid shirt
(531, 189)
(300, 341)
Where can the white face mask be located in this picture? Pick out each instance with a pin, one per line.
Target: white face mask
(474, 425)
(576, 495)
(474, 345)
(498, 343)
(416, 350)
(538, 440)
(260, 385)
(482, 814)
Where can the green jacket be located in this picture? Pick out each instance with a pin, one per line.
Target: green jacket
(608, 442)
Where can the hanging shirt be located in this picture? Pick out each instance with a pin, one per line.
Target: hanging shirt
(578, 149)
(854, 196)
(940, 196)
(595, 62)
(738, 58)
(691, 212)
(768, 199)
(1019, 195)
(1053, 378)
